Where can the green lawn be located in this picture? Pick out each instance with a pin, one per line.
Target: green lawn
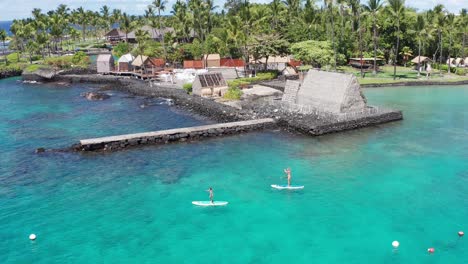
(403, 74)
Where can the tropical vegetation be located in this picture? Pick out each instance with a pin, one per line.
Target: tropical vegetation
(321, 33)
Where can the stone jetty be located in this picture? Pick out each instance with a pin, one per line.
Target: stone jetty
(172, 135)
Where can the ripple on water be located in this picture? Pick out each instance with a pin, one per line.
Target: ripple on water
(403, 181)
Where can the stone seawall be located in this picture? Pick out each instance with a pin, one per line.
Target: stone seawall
(172, 135)
(307, 123)
(315, 124)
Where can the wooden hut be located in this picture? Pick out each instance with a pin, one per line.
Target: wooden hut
(125, 63)
(105, 63)
(212, 60)
(148, 65)
(154, 65)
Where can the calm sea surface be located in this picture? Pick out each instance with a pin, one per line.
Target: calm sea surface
(405, 181)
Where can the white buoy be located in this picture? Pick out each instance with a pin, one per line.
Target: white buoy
(395, 244)
(32, 237)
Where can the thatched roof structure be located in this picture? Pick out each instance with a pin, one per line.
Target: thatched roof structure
(139, 61)
(328, 91)
(154, 33)
(420, 59)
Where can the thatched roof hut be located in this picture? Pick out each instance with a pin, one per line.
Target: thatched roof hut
(115, 35)
(139, 61)
(420, 59)
(154, 33)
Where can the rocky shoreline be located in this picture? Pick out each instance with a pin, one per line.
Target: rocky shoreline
(10, 73)
(250, 109)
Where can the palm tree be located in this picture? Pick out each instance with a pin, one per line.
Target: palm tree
(116, 16)
(329, 6)
(293, 8)
(105, 15)
(17, 28)
(396, 9)
(141, 37)
(3, 36)
(210, 8)
(423, 33)
(196, 6)
(310, 16)
(179, 11)
(160, 5)
(373, 7)
(463, 23)
(406, 52)
(81, 17)
(126, 25)
(275, 7)
(450, 29)
(440, 18)
(74, 34)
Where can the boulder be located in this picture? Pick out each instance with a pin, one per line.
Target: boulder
(43, 73)
(40, 150)
(95, 96)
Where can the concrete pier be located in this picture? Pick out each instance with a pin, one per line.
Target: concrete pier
(172, 135)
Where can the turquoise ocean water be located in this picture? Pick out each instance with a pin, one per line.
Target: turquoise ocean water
(405, 181)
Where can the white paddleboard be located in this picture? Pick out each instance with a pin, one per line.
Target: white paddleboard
(286, 187)
(209, 203)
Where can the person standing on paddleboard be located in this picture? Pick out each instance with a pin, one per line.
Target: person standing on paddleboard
(288, 173)
(210, 190)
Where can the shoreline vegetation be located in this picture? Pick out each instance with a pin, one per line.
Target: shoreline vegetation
(336, 36)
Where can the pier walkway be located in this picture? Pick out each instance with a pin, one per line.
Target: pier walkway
(173, 135)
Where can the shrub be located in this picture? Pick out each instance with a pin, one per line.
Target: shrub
(13, 57)
(121, 49)
(461, 71)
(444, 67)
(33, 67)
(80, 58)
(11, 68)
(261, 76)
(188, 88)
(64, 62)
(233, 93)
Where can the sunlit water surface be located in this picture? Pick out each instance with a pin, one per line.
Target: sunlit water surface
(405, 181)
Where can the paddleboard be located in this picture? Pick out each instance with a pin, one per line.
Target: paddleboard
(209, 203)
(286, 187)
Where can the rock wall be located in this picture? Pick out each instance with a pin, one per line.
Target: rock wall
(290, 91)
(311, 124)
(172, 135)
